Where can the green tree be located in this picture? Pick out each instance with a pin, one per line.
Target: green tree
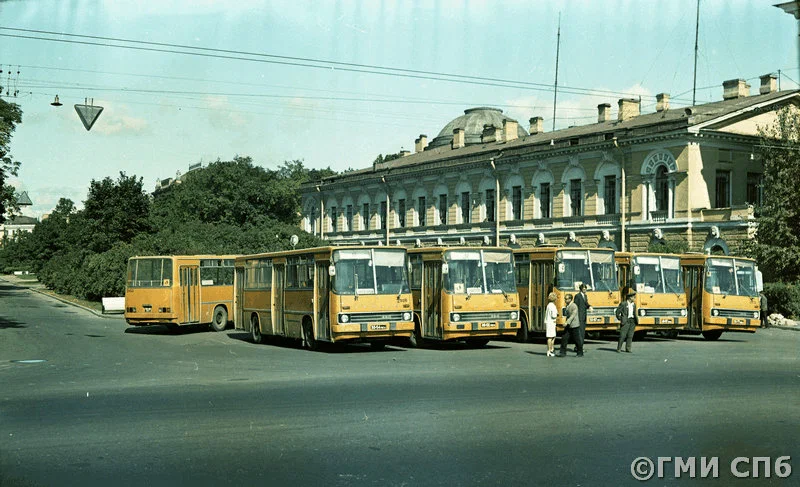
(115, 211)
(10, 117)
(777, 243)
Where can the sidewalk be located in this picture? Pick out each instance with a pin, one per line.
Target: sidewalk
(37, 287)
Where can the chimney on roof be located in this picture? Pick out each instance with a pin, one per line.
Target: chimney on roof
(458, 138)
(536, 125)
(628, 108)
(662, 102)
(489, 134)
(510, 130)
(735, 88)
(404, 152)
(603, 112)
(421, 143)
(769, 84)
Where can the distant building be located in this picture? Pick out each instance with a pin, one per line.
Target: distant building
(162, 184)
(689, 174)
(19, 223)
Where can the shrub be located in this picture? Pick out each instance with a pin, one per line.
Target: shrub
(783, 298)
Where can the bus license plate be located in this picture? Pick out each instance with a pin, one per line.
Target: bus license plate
(737, 321)
(667, 320)
(486, 325)
(378, 327)
(596, 319)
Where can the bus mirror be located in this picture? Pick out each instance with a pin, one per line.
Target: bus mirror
(561, 268)
(759, 281)
(637, 270)
(445, 268)
(331, 270)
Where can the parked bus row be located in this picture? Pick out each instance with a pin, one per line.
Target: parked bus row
(388, 294)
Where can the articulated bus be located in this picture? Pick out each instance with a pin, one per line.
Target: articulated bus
(325, 294)
(542, 270)
(463, 294)
(179, 290)
(722, 293)
(660, 293)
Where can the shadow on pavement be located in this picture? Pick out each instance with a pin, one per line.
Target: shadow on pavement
(164, 330)
(6, 323)
(330, 348)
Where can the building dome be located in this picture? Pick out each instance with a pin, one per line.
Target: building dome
(472, 122)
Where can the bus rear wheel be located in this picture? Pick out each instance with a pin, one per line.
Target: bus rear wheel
(256, 330)
(308, 335)
(712, 335)
(220, 319)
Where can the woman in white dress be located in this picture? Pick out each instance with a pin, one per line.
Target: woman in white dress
(550, 315)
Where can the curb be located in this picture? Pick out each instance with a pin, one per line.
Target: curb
(793, 328)
(96, 313)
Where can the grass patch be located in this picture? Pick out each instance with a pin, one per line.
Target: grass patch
(93, 305)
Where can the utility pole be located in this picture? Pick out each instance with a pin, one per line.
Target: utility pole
(555, 84)
(696, 37)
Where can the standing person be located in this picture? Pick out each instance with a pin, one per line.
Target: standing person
(764, 322)
(550, 315)
(571, 328)
(582, 301)
(628, 318)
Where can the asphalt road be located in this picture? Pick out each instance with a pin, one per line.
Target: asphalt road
(105, 404)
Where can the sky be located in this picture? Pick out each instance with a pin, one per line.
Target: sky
(335, 83)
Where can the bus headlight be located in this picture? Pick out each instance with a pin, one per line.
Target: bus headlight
(642, 312)
(756, 315)
(514, 315)
(343, 318)
(406, 316)
(715, 312)
(683, 312)
(455, 317)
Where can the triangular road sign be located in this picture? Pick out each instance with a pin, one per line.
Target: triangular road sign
(88, 114)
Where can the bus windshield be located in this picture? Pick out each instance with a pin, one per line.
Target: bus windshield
(595, 268)
(154, 272)
(659, 274)
(479, 272)
(731, 276)
(370, 271)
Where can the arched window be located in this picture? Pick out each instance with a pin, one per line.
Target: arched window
(658, 195)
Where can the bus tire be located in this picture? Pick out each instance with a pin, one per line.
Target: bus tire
(415, 340)
(712, 335)
(523, 335)
(308, 335)
(219, 320)
(255, 330)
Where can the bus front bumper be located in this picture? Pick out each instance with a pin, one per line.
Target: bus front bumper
(372, 330)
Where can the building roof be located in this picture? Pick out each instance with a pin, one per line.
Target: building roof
(21, 220)
(667, 121)
(472, 123)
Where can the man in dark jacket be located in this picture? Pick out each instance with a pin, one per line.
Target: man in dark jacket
(628, 318)
(582, 302)
(571, 328)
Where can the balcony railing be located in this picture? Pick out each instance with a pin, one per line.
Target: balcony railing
(658, 216)
(610, 219)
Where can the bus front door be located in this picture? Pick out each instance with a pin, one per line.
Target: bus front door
(278, 299)
(432, 275)
(238, 299)
(323, 302)
(190, 294)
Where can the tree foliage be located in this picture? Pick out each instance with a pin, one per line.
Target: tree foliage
(10, 117)
(777, 242)
(230, 207)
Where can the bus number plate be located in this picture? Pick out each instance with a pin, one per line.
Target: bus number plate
(666, 320)
(378, 327)
(737, 321)
(596, 319)
(487, 325)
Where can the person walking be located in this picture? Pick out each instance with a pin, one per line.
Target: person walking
(582, 302)
(550, 315)
(764, 322)
(628, 318)
(571, 328)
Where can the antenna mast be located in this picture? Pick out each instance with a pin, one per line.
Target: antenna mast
(555, 84)
(696, 35)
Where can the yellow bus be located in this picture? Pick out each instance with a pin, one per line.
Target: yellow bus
(660, 293)
(723, 294)
(463, 294)
(325, 294)
(542, 270)
(179, 290)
